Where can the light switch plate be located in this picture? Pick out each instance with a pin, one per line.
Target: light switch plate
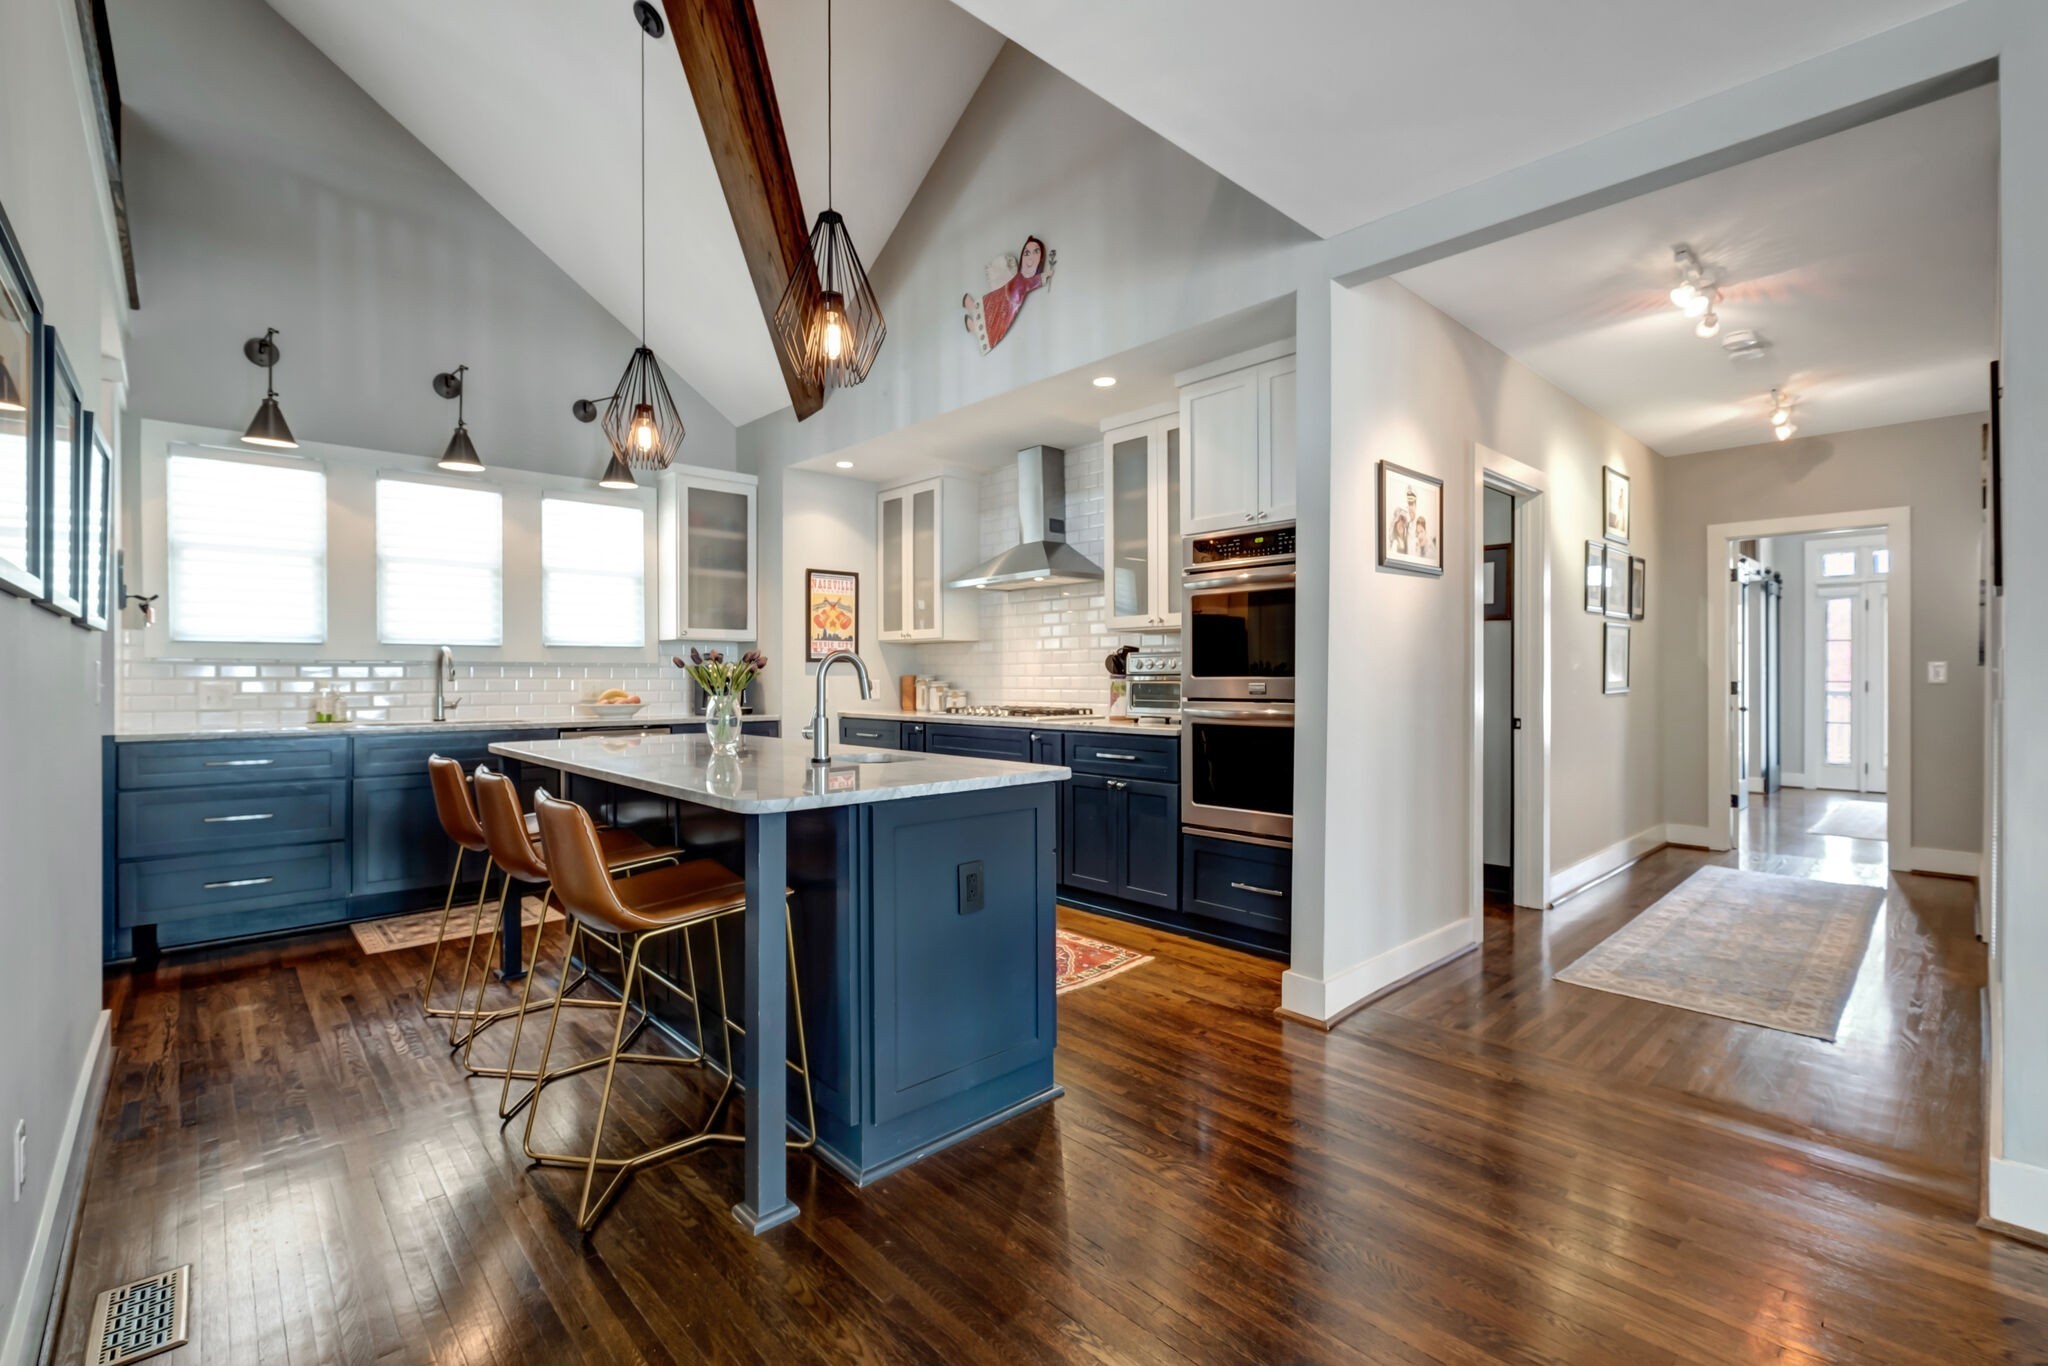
(973, 892)
(1937, 671)
(216, 696)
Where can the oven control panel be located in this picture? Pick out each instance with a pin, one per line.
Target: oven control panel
(1153, 664)
(1274, 542)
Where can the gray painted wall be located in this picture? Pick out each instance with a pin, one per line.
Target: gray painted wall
(267, 189)
(55, 713)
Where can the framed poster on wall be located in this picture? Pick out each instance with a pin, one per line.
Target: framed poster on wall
(22, 530)
(64, 439)
(831, 612)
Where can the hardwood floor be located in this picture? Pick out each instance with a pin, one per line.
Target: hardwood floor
(1485, 1165)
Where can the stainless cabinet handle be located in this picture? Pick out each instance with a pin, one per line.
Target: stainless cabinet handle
(867, 735)
(1120, 758)
(229, 820)
(1116, 784)
(1262, 891)
(239, 763)
(236, 882)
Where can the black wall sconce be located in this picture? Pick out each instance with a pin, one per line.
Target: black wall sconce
(461, 456)
(268, 427)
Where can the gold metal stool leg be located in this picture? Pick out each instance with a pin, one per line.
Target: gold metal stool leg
(801, 1065)
(427, 1007)
(462, 1011)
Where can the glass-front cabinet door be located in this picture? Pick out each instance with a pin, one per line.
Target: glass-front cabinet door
(707, 545)
(894, 561)
(1141, 525)
(924, 562)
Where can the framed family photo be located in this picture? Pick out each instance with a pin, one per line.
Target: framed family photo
(1411, 521)
(1614, 501)
(1614, 660)
(1617, 584)
(831, 612)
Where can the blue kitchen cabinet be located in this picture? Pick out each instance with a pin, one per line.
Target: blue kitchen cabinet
(1241, 883)
(868, 732)
(1088, 836)
(1121, 839)
(397, 844)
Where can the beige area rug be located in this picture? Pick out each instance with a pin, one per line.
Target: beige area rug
(1780, 952)
(1855, 820)
(417, 931)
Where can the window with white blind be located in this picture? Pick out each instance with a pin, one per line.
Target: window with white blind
(440, 564)
(247, 542)
(593, 573)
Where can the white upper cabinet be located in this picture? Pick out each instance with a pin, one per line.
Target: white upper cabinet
(928, 532)
(1237, 440)
(706, 544)
(1141, 524)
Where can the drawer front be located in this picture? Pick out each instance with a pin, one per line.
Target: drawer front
(200, 885)
(1153, 757)
(865, 732)
(154, 823)
(981, 742)
(202, 763)
(378, 756)
(771, 729)
(1245, 884)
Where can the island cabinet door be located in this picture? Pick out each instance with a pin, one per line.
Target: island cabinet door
(399, 844)
(1149, 842)
(1090, 838)
(962, 1017)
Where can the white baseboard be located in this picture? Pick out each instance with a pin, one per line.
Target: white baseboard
(1591, 869)
(1756, 782)
(34, 1305)
(2016, 1193)
(1951, 862)
(1698, 836)
(1793, 780)
(1324, 999)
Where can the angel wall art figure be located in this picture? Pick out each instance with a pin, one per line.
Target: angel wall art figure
(1010, 279)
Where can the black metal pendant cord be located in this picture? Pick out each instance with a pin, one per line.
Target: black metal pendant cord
(643, 189)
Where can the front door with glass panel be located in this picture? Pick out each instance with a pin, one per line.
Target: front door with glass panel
(1846, 703)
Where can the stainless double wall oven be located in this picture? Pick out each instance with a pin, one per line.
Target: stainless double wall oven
(1237, 684)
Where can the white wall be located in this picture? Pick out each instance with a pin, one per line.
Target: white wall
(1414, 387)
(1931, 467)
(53, 189)
(266, 189)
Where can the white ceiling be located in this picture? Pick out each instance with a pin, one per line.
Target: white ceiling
(1338, 112)
(1065, 411)
(1868, 260)
(535, 104)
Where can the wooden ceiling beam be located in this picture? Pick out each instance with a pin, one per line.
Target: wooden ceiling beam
(726, 60)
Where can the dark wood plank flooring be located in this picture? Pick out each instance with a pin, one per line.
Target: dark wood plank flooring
(1486, 1165)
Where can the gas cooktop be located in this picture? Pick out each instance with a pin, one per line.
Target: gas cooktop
(1024, 710)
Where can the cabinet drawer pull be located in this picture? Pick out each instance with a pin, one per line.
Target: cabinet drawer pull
(239, 763)
(1262, 891)
(867, 735)
(236, 882)
(1120, 758)
(229, 820)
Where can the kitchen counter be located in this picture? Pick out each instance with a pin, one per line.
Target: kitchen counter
(922, 898)
(580, 719)
(1114, 725)
(768, 775)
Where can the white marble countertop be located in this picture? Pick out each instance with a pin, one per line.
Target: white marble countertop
(768, 775)
(1117, 725)
(579, 718)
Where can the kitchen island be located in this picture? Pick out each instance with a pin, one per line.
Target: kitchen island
(923, 917)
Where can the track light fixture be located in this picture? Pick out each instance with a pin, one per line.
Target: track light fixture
(1781, 415)
(1710, 321)
(268, 427)
(1694, 295)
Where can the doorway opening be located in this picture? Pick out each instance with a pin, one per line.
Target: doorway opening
(1510, 753)
(1809, 725)
(1497, 698)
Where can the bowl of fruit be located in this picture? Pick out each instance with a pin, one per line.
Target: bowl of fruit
(615, 703)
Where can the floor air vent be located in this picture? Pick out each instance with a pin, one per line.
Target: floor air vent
(139, 1319)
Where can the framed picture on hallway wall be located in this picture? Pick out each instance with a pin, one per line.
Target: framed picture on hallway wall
(1620, 571)
(1614, 659)
(1411, 521)
(1596, 577)
(1638, 586)
(1614, 501)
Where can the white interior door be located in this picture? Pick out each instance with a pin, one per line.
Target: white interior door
(1873, 666)
(1738, 793)
(1848, 737)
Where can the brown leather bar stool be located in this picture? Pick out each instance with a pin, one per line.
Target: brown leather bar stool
(506, 835)
(457, 814)
(627, 916)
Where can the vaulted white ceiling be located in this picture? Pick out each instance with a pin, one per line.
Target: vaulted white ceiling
(535, 104)
(1338, 112)
(1867, 261)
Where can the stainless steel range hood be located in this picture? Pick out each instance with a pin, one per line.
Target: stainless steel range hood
(1043, 559)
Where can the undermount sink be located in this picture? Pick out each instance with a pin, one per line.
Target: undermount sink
(874, 756)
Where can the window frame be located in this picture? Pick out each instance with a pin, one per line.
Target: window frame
(649, 638)
(26, 579)
(96, 591)
(270, 460)
(457, 484)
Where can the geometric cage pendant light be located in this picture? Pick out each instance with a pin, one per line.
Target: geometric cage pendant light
(829, 324)
(641, 421)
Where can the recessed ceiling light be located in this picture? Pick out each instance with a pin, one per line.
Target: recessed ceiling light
(844, 464)
(1105, 381)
